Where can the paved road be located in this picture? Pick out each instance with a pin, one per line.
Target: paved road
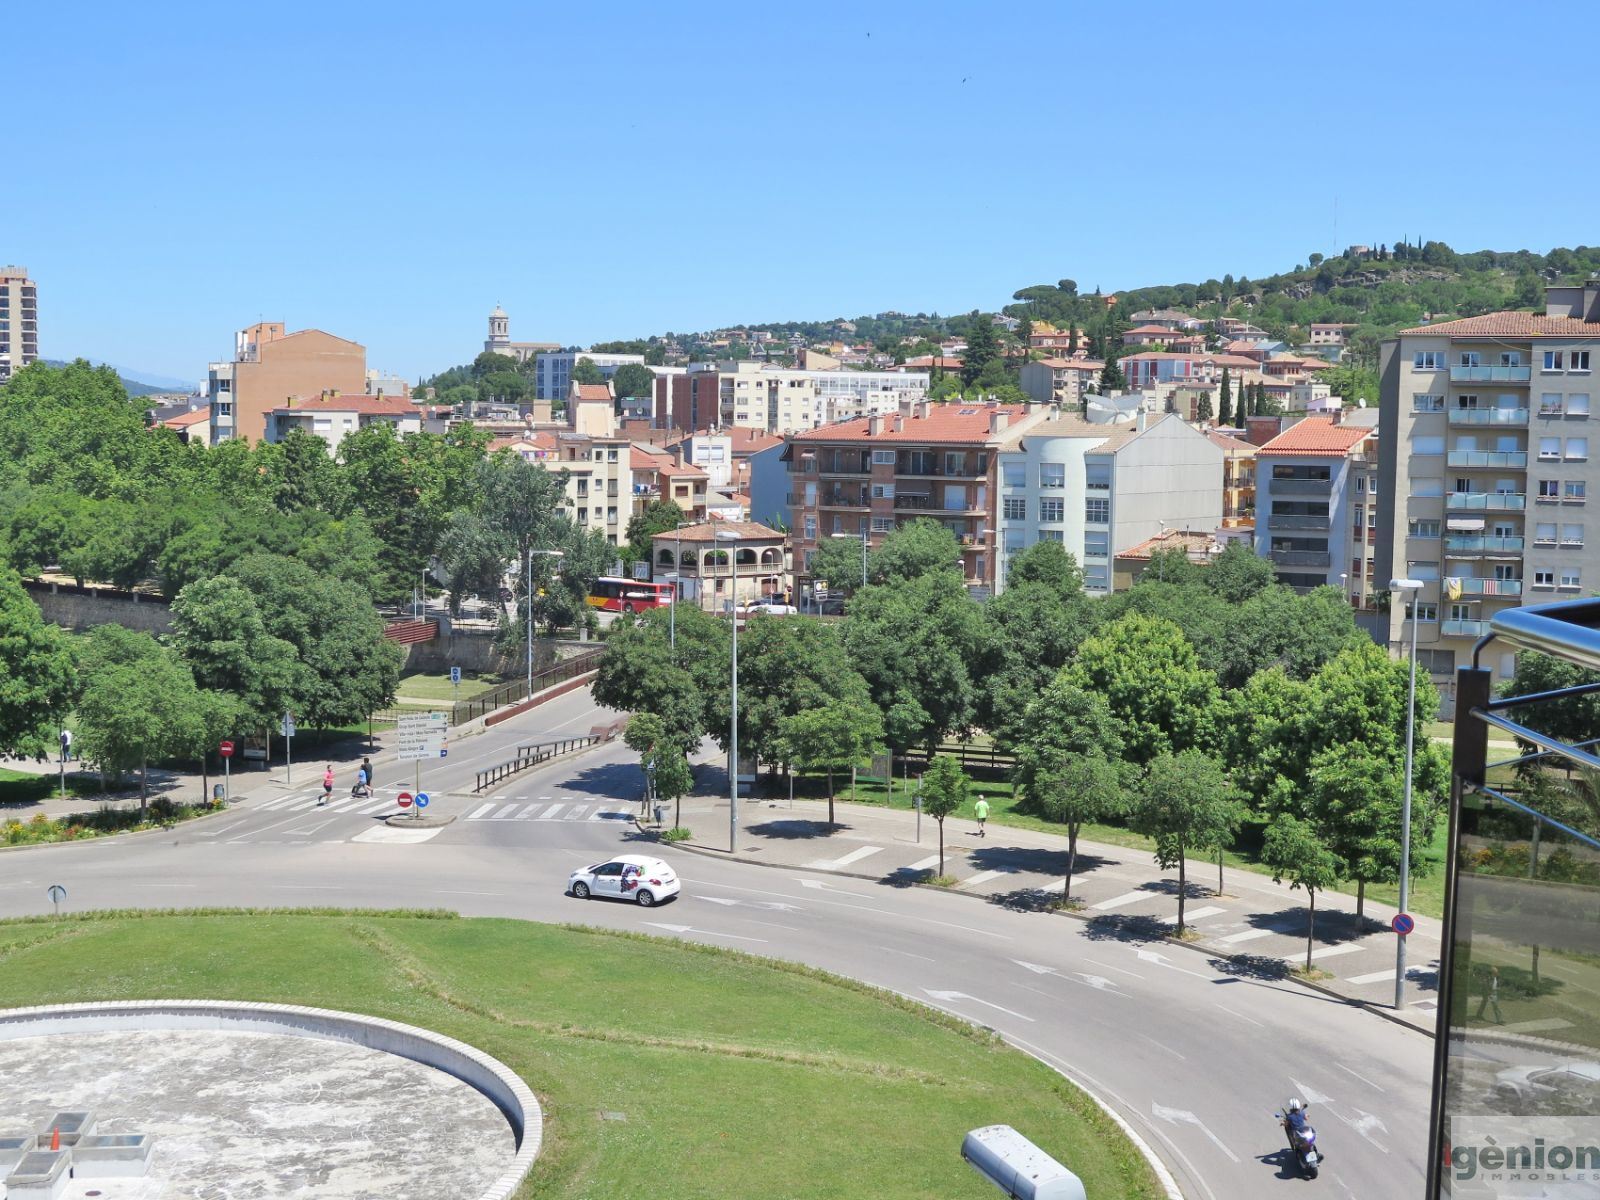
(1194, 1055)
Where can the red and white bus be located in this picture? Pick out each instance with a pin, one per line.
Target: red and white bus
(614, 594)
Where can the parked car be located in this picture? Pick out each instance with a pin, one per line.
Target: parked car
(771, 606)
(1554, 1086)
(635, 877)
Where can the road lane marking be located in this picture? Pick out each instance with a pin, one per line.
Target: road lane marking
(393, 835)
(1177, 1116)
(1242, 1017)
(1360, 1076)
(378, 807)
(839, 864)
(923, 864)
(482, 812)
(1163, 1046)
(1200, 914)
(577, 812)
(683, 929)
(550, 813)
(981, 877)
(509, 812)
(907, 954)
(768, 892)
(1375, 977)
(1320, 952)
(1250, 935)
(1120, 901)
(310, 829)
(1113, 967)
(950, 997)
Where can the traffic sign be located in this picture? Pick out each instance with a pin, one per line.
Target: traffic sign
(422, 800)
(287, 725)
(420, 736)
(455, 674)
(1403, 923)
(225, 748)
(57, 894)
(404, 799)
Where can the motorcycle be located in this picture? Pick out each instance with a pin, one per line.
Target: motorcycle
(1303, 1145)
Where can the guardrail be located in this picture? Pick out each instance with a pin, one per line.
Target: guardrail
(517, 689)
(531, 755)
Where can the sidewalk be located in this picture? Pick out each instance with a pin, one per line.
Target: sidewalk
(1257, 928)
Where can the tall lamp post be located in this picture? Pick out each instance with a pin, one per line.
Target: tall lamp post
(527, 602)
(863, 536)
(999, 575)
(727, 535)
(672, 612)
(1411, 587)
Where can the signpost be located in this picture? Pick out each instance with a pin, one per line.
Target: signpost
(57, 894)
(420, 736)
(287, 726)
(225, 748)
(455, 682)
(1403, 923)
(403, 799)
(66, 749)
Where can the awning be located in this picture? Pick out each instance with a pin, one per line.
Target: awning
(1465, 523)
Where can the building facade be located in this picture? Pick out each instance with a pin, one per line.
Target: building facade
(332, 417)
(752, 567)
(1490, 469)
(780, 400)
(1100, 489)
(1317, 507)
(1061, 381)
(19, 321)
(553, 369)
(271, 367)
(1238, 479)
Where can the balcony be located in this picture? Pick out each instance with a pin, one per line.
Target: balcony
(1464, 629)
(1488, 416)
(1302, 558)
(1297, 522)
(843, 467)
(1490, 374)
(1486, 501)
(1473, 545)
(839, 498)
(920, 503)
(1488, 458)
(1491, 587)
(1301, 487)
(937, 471)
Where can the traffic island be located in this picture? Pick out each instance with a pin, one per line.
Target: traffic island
(412, 820)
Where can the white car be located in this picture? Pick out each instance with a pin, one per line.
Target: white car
(645, 881)
(1529, 1085)
(772, 607)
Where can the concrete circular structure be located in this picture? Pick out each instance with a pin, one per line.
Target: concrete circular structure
(270, 1099)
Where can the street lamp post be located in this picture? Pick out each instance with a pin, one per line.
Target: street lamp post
(999, 574)
(527, 603)
(1414, 587)
(672, 612)
(727, 535)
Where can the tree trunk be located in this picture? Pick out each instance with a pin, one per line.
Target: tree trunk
(1311, 927)
(144, 788)
(1219, 870)
(830, 799)
(941, 845)
(1181, 888)
(205, 777)
(1072, 859)
(1361, 900)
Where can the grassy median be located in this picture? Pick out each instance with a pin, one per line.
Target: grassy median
(737, 1076)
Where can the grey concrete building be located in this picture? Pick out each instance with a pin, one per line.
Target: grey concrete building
(19, 321)
(1485, 457)
(1316, 507)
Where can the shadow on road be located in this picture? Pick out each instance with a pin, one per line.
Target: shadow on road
(614, 781)
(1121, 927)
(1030, 900)
(1251, 966)
(796, 828)
(1036, 861)
(1287, 1167)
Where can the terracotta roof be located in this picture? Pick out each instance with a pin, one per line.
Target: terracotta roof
(745, 439)
(665, 464)
(947, 361)
(364, 405)
(709, 530)
(594, 391)
(1317, 436)
(184, 420)
(964, 423)
(544, 441)
(1510, 324)
(1157, 329)
(1230, 443)
(1219, 360)
(1082, 364)
(1188, 540)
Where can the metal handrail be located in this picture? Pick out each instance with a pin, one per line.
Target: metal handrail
(531, 755)
(517, 689)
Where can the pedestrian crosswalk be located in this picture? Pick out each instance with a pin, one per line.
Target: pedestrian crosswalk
(546, 811)
(346, 804)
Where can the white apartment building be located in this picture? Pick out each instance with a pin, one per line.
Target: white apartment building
(19, 321)
(1487, 464)
(784, 400)
(552, 372)
(1101, 489)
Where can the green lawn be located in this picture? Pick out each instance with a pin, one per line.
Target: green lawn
(19, 787)
(439, 687)
(739, 1077)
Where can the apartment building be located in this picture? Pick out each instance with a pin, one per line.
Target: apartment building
(1061, 381)
(1238, 478)
(780, 400)
(19, 321)
(863, 478)
(1486, 449)
(332, 417)
(271, 367)
(724, 454)
(552, 371)
(1317, 505)
(1100, 489)
(1152, 367)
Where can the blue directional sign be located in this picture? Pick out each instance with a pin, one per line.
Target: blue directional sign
(455, 674)
(422, 800)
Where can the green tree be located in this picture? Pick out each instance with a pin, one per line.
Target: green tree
(1238, 573)
(658, 516)
(944, 789)
(838, 562)
(1295, 852)
(1148, 674)
(1070, 788)
(983, 347)
(917, 548)
(1225, 400)
(585, 371)
(643, 672)
(674, 779)
(1184, 804)
(218, 630)
(839, 736)
(38, 680)
(788, 666)
(1202, 408)
(1356, 799)
(633, 380)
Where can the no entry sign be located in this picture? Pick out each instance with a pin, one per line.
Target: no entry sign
(403, 799)
(225, 749)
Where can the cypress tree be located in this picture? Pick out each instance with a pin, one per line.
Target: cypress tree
(1225, 400)
(1202, 410)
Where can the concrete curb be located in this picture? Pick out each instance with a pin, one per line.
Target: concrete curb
(467, 1063)
(1388, 1014)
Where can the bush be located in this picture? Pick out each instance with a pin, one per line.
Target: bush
(677, 834)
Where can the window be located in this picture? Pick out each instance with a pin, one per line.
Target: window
(224, 408)
(1578, 404)
(1511, 358)
(811, 527)
(1096, 545)
(1544, 579)
(583, 516)
(1014, 474)
(883, 458)
(1469, 358)
(1544, 533)
(1437, 662)
(1578, 360)
(1426, 402)
(1097, 511)
(1422, 610)
(1577, 491)
(1052, 475)
(1549, 448)
(1552, 360)
(955, 462)
(1572, 535)
(882, 524)
(1428, 360)
(1577, 448)
(1550, 404)
(1016, 508)
(1419, 445)
(1571, 578)
(1427, 487)
(1052, 510)
(1423, 529)
(883, 491)
(1051, 535)
(1549, 489)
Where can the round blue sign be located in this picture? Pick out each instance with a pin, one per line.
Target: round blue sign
(422, 800)
(1404, 923)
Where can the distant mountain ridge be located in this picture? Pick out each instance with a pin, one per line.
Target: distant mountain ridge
(136, 387)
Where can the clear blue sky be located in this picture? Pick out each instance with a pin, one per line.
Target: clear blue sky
(613, 170)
